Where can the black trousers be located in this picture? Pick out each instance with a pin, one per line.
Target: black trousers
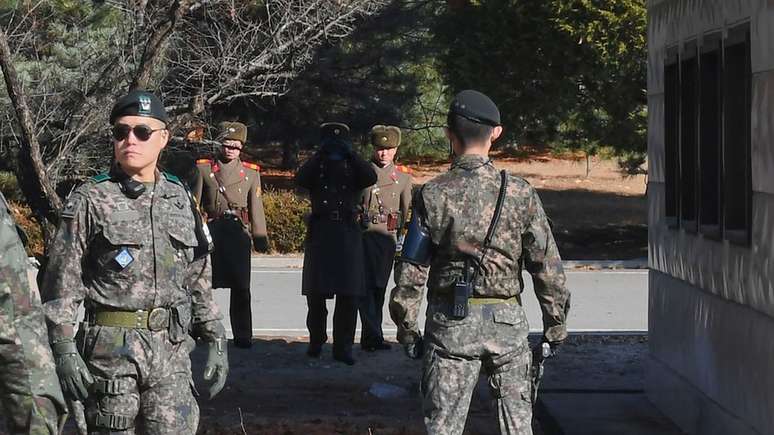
(344, 321)
(240, 313)
(231, 269)
(370, 308)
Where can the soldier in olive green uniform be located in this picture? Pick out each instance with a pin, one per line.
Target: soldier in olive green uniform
(386, 205)
(474, 315)
(133, 249)
(229, 191)
(32, 401)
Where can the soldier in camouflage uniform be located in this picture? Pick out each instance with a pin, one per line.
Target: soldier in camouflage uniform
(229, 191)
(131, 248)
(32, 401)
(451, 215)
(386, 205)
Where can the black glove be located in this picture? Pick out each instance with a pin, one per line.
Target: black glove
(261, 244)
(416, 349)
(72, 371)
(217, 365)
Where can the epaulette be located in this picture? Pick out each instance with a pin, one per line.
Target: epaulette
(404, 169)
(172, 178)
(252, 166)
(99, 178)
(204, 162)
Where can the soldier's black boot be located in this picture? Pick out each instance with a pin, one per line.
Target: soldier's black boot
(344, 355)
(314, 350)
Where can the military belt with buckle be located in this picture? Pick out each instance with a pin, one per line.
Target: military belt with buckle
(156, 319)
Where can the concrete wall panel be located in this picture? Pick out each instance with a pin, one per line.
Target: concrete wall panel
(762, 37)
(721, 348)
(736, 273)
(763, 131)
(656, 138)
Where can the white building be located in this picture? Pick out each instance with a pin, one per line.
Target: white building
(711, 214)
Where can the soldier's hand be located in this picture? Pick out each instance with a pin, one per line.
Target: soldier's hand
(261, 244)
(73, 374)
(216, 368)
(416, 349)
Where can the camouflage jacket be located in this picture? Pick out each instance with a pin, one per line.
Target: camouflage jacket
(458, 208)
(118, 253)
(25, 356)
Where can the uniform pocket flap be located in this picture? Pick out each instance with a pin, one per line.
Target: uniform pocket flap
(508, 314)
(184, 234)
(122, 235)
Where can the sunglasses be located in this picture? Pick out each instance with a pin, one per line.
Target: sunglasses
(230, 147)
(141, 131)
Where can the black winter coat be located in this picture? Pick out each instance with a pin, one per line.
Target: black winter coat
(333, 251)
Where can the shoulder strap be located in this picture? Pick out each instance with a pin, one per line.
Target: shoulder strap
(493, 224)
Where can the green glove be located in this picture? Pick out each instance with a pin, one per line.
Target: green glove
(217, 365)
(73, 373)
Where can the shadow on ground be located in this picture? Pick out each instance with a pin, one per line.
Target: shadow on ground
(274, 388)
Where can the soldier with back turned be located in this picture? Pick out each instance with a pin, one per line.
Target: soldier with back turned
(471, 231)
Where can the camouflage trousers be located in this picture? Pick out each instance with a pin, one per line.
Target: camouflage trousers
(30, 414)
(143, 381)
(492, 337)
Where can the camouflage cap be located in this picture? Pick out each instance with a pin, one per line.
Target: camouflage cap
(334, 131)
(232, 131)
(385, 136)
(139, 103)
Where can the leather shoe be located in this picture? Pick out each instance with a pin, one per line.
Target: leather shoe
(345, 357)
(314, 350)
(243, 343)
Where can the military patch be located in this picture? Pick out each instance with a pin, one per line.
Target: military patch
(124, 258)
(258, 190)
(145, 105)
(72, 206)
(172, 178)
(99, 178)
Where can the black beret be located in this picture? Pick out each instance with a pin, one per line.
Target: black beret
(334, 131)
(139, 103)
(475, 106)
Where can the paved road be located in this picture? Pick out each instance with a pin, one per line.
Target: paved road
(615, 300)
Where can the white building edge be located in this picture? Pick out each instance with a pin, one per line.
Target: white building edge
(711, 313)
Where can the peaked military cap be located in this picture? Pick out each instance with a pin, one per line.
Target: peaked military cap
(232, 131)
(385, 136)
(334, 131)
(476, 107)
(139, 103)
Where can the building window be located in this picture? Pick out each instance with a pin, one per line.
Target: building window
(710, 135)
(737, 101)
(689, 72)
(707, 136)
(671, 135)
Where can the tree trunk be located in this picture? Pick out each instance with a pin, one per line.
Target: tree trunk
(290, 155)
(31, 172)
